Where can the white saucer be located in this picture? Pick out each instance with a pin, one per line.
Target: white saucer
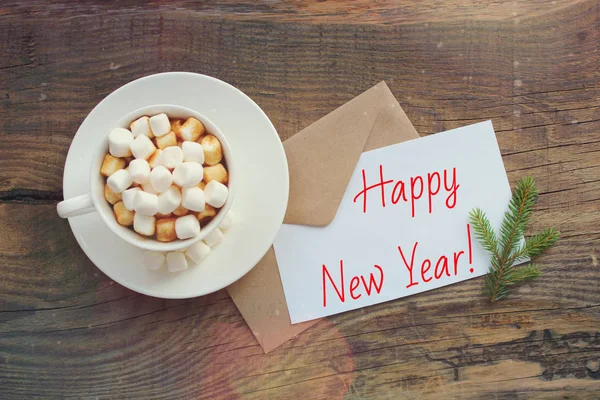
(261, 197)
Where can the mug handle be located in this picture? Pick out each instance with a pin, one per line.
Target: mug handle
(76, 206)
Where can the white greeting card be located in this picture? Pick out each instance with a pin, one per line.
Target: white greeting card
(402, 226)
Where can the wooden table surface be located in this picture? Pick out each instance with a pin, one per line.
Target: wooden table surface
(68, 331)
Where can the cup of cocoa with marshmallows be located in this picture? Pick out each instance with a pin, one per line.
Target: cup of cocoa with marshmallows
(163, 179)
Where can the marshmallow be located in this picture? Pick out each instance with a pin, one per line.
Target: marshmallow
(191, 129)
(167, 140)
(227, 221)
(188, 174)
(176, 126)
(209, 211)
(129, 198)
(161, 179)
(213, 153)
(193, 151)
(160, 124)
(145, 203)
(141, 126)
(110, 165)
(147, 187)
(176, 261)
(154, 158)
(187, 227)
(165, 230)
(119, 140)
(153, 260)
(214, 238)
(119, 181)
(144, 225)
(139, 169)
(215, 194)
(180, 211)
(123, 215)
(197, 252)
(142, 147)
(171, 157)
(169, 200)
(111, 196)
(193, 198)
(215, 172)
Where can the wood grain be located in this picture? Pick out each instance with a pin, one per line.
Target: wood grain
(68, 331)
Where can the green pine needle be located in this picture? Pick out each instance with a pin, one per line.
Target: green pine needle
(507, 249)
(529, 271)
(517, 217)
(535, 245)
(485, 233)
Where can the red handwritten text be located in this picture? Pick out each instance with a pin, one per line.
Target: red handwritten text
(413, 189)
(339, 287)
(442, 266)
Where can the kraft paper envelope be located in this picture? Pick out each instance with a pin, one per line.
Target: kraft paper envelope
(321, 160)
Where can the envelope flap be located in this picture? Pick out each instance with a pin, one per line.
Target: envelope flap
(322, 157)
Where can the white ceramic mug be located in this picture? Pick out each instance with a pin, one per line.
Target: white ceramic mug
(95, 201)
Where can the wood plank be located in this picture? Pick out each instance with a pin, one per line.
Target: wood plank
(409, 337)
(68, 331)
(337, 63)
(339, 12)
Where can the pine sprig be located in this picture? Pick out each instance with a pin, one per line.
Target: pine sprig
(507, 249)
(529, 271)
(485, 233)
(535, 245)
(517, 217)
